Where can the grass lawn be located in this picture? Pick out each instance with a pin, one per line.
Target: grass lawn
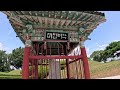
(97, 70)
(15, 74)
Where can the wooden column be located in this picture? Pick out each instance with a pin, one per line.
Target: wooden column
(36, 69)
(85, 60)
(25, 66)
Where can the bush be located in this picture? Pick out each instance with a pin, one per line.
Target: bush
(63, 64)
(62, 67)
(42, 71)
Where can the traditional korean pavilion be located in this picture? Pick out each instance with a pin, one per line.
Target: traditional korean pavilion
(51, 37)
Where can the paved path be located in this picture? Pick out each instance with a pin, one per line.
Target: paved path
(112, 77)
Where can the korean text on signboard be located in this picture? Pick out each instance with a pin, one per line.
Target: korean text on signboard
(56, 36)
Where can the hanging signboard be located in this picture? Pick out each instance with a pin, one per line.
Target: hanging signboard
(56, 35)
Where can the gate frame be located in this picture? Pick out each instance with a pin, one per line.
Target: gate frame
(27, 58)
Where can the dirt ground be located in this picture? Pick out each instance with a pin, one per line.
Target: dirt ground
(112, 77)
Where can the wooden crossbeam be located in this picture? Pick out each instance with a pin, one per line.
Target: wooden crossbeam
(56, 28)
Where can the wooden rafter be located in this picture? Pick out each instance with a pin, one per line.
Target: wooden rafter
(58, 20)
(68, 22)
(40, 20)
(29, 18)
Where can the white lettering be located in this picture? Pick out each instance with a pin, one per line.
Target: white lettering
(49, 35)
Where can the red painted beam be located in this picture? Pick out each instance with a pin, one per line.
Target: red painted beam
(54, 57)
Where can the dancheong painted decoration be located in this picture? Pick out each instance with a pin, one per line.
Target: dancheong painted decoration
(54, 42)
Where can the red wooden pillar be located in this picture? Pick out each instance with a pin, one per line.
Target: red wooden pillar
(25, 66)
(68, 68)
(66, 48)
(85, 60)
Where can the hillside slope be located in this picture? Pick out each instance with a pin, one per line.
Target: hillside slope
(100, 70)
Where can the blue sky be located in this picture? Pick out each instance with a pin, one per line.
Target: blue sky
(105, 33)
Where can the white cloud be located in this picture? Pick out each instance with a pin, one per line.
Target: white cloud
(2, 47)
(101, 47)
(97, 46)
(116, 40)
(8, 50)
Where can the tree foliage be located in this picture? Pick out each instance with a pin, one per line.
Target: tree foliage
(16, 57)
(109, 51)
(97, 55)
(4, 62)
(112, 48)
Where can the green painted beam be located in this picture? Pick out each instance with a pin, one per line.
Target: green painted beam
(87, 20)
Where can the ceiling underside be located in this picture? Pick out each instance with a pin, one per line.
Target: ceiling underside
(82, 22)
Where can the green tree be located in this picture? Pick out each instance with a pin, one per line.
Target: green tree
(112, 48)
(97, 55)
(4, 62)
(16, 57)
(109, 51)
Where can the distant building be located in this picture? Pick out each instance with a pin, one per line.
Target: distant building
(12, 67)
(116, 56)
(117, 53)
